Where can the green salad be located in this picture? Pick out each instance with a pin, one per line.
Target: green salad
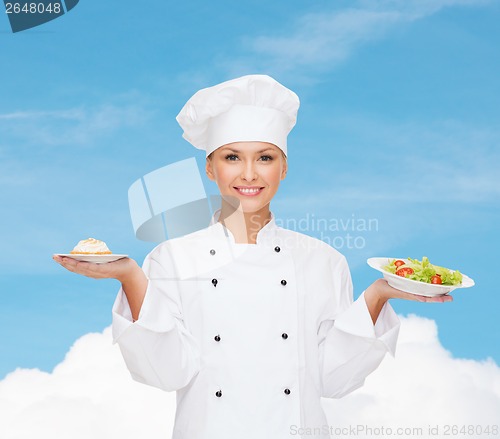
(423, 271)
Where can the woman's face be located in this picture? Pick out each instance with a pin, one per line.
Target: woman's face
(247, 173)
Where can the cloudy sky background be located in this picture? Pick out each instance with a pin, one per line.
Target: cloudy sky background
(398, 123)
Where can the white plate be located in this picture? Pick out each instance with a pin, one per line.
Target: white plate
(415, 286)
(96, 259)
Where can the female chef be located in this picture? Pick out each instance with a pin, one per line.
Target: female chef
(251, 324)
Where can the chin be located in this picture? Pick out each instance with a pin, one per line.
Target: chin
(245, 204)
(253, 207)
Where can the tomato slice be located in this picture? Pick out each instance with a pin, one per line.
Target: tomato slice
(399, 262)
(436, 279)
(404, 272)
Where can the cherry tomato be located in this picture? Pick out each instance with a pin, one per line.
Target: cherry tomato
(436, 279)
(399, 262)
(404, 272)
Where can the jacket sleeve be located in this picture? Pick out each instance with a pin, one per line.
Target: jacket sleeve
(158, 349)
(350, 346)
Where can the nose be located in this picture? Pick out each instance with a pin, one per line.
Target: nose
(249, 171)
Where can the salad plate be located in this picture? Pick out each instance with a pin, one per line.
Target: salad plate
(96, 259)
(415, 286)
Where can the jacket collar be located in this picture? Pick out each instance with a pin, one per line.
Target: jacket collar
(265, 235)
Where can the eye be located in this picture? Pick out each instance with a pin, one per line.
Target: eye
(231, 157)
(266, 158)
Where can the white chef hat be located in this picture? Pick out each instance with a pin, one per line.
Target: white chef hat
(251, 108)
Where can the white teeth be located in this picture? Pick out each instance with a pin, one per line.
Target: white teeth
(249, 191)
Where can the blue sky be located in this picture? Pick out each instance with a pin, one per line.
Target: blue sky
(398, 122)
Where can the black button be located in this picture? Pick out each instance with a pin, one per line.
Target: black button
(284, 335)
(283, 282)
(218, 394)
(277, 249)
(217, 338)
(287, 391)
(214, 282)
(212, 252)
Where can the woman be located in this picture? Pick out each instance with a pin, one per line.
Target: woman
(250, 323)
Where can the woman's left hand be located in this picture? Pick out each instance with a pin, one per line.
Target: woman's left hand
(379, 292)
(382, 289)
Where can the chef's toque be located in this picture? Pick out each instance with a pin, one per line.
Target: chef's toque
(253, 108)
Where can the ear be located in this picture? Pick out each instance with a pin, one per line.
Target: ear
(209, 169)
(284, 170)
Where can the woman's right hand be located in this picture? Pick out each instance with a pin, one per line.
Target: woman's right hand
(127, 271)
(120, 269)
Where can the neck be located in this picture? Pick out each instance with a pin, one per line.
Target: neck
(244, 225)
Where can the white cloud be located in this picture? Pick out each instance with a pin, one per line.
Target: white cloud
(419, 8)
(90, 394)
(436, 162)
(323, 40)
(72, 114)
(423, 386)
(79, 125)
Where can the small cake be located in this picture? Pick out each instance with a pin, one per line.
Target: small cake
(91, 246)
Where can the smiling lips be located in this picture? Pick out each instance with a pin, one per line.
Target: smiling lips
(249, 191)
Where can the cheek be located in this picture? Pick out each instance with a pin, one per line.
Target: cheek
(272, 174)
(226, 174)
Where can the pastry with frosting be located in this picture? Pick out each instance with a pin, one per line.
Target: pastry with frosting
(91, 246)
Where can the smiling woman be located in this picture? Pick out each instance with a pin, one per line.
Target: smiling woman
(250, 323)
(248, 175)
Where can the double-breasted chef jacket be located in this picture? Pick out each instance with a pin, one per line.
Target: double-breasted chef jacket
(250, 336)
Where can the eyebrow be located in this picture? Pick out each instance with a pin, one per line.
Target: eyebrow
(258, 152)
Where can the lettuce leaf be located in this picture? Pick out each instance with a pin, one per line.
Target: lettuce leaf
(423, 271)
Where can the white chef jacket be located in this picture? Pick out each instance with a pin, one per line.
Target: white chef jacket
(250, 336)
